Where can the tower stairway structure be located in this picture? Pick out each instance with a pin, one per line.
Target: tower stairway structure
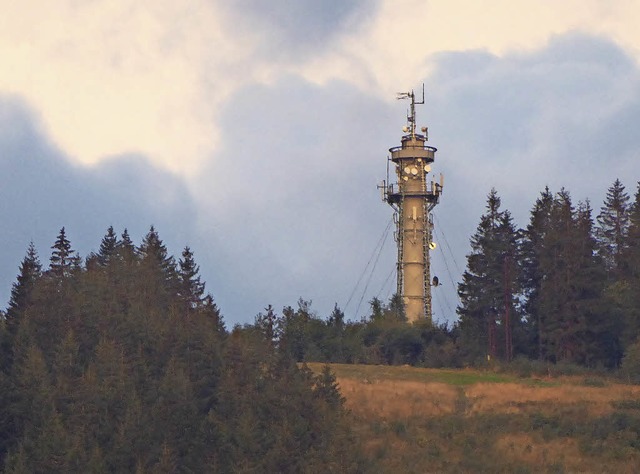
(413, 196)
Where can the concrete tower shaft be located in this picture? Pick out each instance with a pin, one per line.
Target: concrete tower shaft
(412, 198)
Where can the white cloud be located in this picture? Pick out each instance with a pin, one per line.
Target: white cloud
(120, 76)
(398, 45)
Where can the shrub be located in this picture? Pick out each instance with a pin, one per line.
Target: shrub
(594, 382)
(631, 363)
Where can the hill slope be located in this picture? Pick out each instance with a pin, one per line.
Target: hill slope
(425, 420)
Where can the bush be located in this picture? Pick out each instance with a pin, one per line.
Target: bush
(626, 404)
(631, 363)
(594, 382)
(439, 355)
(524, 367)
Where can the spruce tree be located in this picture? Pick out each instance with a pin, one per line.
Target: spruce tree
(326, 388)
(613, 226)
(377, 307)
(632, 247)
(191, 287)
(159, 277)
(511, 319)
(211, 311)
(153, 252)
(488, 287)
(569, 300)
(336, 318)
(63, 258)
(126, 250)
(395, 310)
(108, 247)
(555, 295)
(30, 271)
(631, 257)
(333, 346)
(267, 324)
(601, 340)
(532, 247)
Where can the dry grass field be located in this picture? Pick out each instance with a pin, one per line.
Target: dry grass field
(428, 420)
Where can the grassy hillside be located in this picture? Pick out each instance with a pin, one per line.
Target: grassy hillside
(426, 420)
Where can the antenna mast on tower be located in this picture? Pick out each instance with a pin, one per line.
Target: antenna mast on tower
(412, 198)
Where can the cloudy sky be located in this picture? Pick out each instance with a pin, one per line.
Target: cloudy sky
(256, 131)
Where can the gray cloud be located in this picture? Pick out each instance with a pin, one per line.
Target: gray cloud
(42, 192)
(295, 193)
(292, 28)
(562, 116)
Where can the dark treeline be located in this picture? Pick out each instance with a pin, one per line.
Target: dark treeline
(121, 363)
(383, 337)
(564, 290)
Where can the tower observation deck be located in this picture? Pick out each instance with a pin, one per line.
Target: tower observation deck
(413, 196)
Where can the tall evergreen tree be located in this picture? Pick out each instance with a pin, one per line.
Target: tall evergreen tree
(160, 281)
(395, 310)
(571, 288)
(631, 287)
(63, 258)
(336, 318)
(30, 271)
(377, 307)
(532, 247)
(334, 343)
(211, 311)
(488, 287)
(153, 252)
(191, 287)
(108, 247)
(555, 262)
(613, 226)
(601, 343)
(632, 247)
(267, 324)
(126, 250)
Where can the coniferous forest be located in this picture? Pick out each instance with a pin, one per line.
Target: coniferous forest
(121, 362)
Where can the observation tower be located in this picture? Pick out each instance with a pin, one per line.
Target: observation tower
(412, 197)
